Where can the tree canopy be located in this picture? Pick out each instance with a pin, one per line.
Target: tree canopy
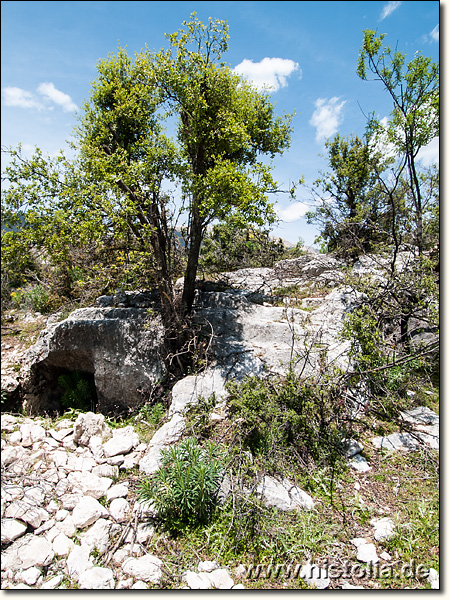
(117, 194)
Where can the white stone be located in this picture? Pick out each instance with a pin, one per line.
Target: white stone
(139, 585)
(125, 584)
(31, 433)
(421, 415)
(283, 495)
(8, 422)
(146, 568)
(119, 556)
(30, 576)
(383, 528)
(106, 471)
(12, 454)
(62, 545)
(97, 536)
(349, 586)
(367, 553)
(97, 578)
(385, 556)
(197, 581)
(88, 425)
(28, 551)
(67, 526)
(220, 579)
(52, 583)
(352, 447)
(314, 575)
(25, 511)
(207, 566)
(168, 434)
(122, 442)
(11, 530)
(396, 441)
(119, 490)
(34, 494)
(15, 437)
(87, 511)
(52, 507)
(433, 579)
(90, 484)
(78, 561)
(69, 501)
(131, 460)
(11, 492)
(80, 463)
(119, 509)
(61, 514)
(188, 390)
(238, 586)
(359, 463)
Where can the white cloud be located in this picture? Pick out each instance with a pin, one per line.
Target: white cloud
(327, 117)
(14, 96)
(293, 212)
(49, 91)
(429, 154)
(388, 9)
(435, 34)
(269, 73)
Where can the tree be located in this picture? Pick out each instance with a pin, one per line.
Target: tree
(414, 121)
(224, 125)
(118, 183)
(232, 244)
(349, 210)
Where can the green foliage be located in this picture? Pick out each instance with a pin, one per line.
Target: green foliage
(102, 220)
(349, 210)
(79, 391)
(414, 122)
(184, 488)
(289, 421)
(234, 245)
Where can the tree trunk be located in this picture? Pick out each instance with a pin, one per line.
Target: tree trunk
(196, 236)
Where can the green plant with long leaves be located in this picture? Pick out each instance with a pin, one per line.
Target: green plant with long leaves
(184, 489)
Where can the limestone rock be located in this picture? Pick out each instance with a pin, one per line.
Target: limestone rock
(119, 490)
(315, 576)
(168, 434)
(122, 442)
(97, 578)
(78, 561)
(28, 551)
(89, 484)
(87, 511)
(383, 528)
(11, 530)
(283, 495)
(119, 509)
(352, 447)
(62, 545)
(360, 464)
(89, 425)
(93, 341)
(187, 391)
(145, 568)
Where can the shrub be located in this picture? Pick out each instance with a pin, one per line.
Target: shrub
(184, 489)
(290, 421)
(79, 391)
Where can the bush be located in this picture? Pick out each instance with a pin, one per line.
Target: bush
(184, 489)
(79, 391)
(288, 421)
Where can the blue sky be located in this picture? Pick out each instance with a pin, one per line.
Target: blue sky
(307, 52)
